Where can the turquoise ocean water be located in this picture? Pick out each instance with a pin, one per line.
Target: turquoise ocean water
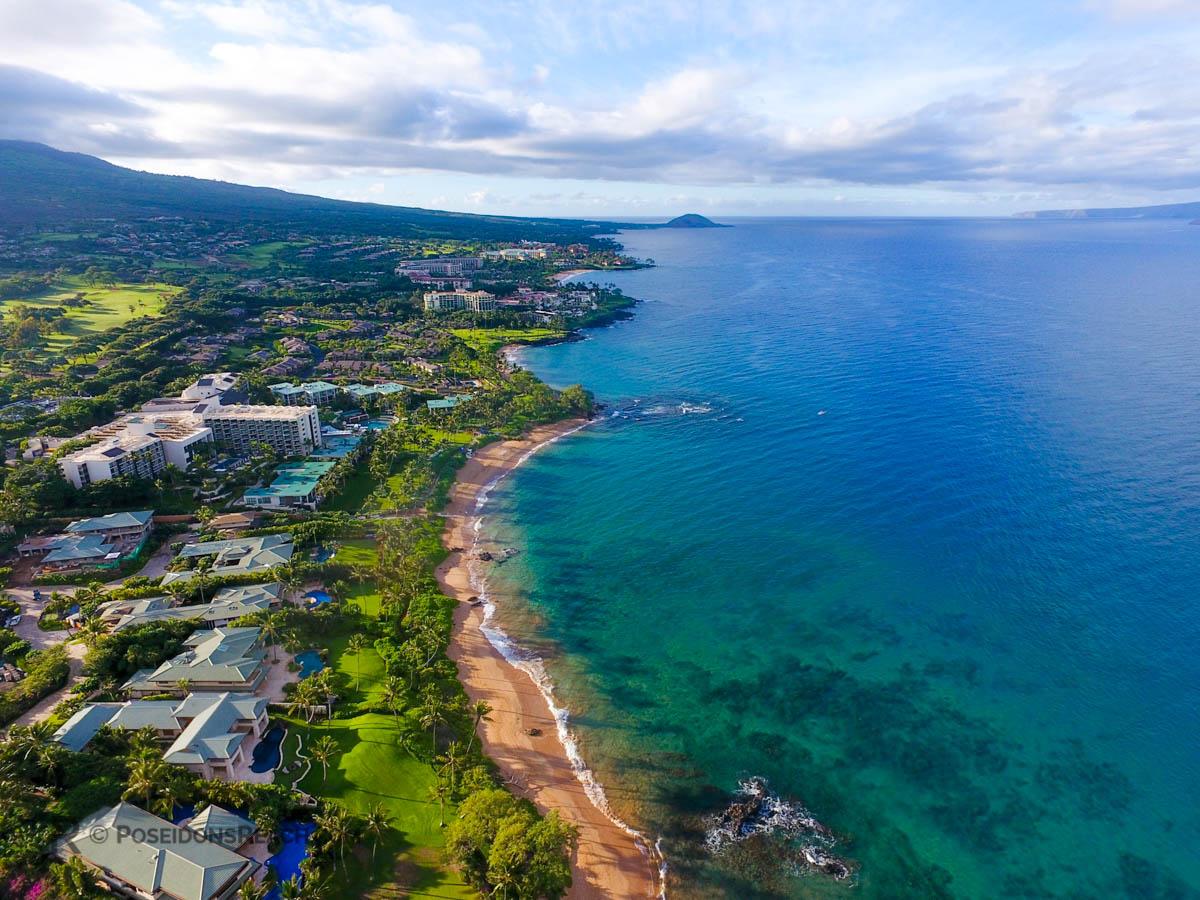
(903, 517)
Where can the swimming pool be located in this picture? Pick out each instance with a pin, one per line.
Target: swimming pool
(310, 663)
(293, 851)
(267, 752)
(318, 598)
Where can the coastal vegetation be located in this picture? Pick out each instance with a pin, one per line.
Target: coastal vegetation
(381, 753)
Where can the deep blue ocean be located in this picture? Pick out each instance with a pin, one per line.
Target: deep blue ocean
(903, 517)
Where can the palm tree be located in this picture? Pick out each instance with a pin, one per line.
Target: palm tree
(271, 631)
(394, 693)
(357, 644)
(289, 578)
(375, 825)
(145, 775)
(433, 714)
(338, 830)
(172, 789)
(290, 889)
(252, 890)
(201, 575)
(452, 760)
(439, 793)
(481, 711)
(323, 751)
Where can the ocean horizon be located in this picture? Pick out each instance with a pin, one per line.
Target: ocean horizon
(897, 516)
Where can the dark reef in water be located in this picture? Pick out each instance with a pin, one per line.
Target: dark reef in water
(803, 842)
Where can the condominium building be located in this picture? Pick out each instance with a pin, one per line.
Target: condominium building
(310, 393)
(448, 301)
(101, 542)
(146, 856)
(223, 659)
(139, 445)
(204, 733)
(289, 430)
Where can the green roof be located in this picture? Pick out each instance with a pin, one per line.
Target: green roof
(147, 853)
(222, 826)
(111, 521)
(294, 480)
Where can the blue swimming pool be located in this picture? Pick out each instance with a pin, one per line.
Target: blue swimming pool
(322, 554)
(292, 852)
(310, 663)
(318, 598)
(379, 424)
(267, 752)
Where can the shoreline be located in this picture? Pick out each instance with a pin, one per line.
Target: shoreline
(562, 276)
(611, 860)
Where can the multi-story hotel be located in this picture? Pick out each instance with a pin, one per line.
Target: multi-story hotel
(290, 430)
(448, 301)
(139, 445)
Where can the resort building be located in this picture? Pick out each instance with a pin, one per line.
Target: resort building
(223, 659)
(445, 403)
(289, 430)
(147, 857)
(236, 556)
(100, 542)
(237, 521)
(229, 605)
(363, 391)
(310, 393)
(295, 484)
(515, 253)
(204, 733)
(444, 265)
(139, 445)
(209, 387)
(450, 301)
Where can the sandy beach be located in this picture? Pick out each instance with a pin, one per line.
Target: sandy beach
(609, 862)
(569, 273)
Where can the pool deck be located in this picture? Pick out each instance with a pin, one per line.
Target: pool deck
(277, 676)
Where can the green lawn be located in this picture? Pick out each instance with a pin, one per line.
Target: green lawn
(488, 340)
(354, 492)
(107, 308)
(365, 597)
(364, 670)
(260, 255)
(374, 768)
(359, 552)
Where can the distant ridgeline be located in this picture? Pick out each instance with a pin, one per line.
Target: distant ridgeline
(1169, 211)
(40, 185)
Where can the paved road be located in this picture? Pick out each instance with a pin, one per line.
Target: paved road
(42, 711)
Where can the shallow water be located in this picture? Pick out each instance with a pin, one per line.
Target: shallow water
(901, 516)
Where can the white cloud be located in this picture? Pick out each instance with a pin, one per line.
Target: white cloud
(737, 93)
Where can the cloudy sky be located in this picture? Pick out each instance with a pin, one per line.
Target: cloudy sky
(627, 107)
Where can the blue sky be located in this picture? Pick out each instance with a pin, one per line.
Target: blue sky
(627, 108)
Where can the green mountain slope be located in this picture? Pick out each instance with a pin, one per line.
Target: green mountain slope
(40, 185)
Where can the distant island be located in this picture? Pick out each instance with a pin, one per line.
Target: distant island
(1169, 211)
(692, 220)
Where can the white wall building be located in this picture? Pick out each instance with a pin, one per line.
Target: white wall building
(290, 430)
(137, 445)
